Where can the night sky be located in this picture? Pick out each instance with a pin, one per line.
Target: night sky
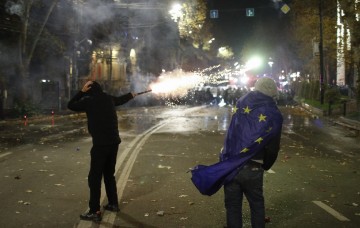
(233, 27)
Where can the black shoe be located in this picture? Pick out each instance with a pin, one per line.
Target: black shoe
(112, 207)
(91, 216)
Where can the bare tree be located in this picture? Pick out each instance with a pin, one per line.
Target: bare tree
(28, 36)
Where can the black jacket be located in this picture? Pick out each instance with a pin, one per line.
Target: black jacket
(101, 114)
(270, 152)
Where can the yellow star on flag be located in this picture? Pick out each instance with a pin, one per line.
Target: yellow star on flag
(262, 118)
(244, 150)
(247, 110)
(268, 130)
(259, 140)
(235, 109)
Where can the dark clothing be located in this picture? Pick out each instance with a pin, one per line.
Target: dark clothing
(103, 127)
(248, 182)
(101, 113)
(253, 134)
(270, 152)
(103, 161)
(248, 179)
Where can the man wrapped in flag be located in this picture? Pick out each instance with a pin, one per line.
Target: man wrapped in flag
(251, 146)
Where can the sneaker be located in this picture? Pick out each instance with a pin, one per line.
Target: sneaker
(91, 216)
(112, 207)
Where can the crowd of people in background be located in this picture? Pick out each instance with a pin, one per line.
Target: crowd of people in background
(209, 96)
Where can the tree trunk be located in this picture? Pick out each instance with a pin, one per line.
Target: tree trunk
(27, 49)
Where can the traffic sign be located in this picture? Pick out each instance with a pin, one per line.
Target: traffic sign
(250, 12)
(214, 13)
(285, 8)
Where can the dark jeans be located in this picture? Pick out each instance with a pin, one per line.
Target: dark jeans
(103, 161)
(248, 182)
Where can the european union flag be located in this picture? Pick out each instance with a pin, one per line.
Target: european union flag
(255, 122)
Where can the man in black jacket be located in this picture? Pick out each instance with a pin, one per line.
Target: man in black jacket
(103, 128)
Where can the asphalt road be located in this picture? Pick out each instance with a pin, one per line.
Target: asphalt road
(44, 166)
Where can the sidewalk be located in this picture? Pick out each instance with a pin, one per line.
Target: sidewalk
(351, 120)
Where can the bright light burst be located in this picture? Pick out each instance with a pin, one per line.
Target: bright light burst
(176, 83)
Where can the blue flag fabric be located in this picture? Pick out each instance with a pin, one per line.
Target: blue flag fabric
(256, 120)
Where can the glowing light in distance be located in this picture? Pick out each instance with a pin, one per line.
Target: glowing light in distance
(176, 12)
(254, 63)
(244, 79)
(132, 53)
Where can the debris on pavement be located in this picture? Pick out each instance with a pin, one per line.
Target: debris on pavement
(160, 213)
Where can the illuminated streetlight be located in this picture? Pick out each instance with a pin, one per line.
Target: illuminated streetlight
(254, 62)
(176, 12)
(271, 62)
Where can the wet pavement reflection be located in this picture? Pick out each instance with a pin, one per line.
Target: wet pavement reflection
(318, 161)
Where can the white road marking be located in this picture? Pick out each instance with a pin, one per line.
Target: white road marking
(331, 211)
(133, 149)
(5, 154)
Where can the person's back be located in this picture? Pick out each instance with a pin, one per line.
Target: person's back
(255, 131)
(102, 120)
(103, 128)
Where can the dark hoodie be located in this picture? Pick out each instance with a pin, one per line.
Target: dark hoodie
(101, 113)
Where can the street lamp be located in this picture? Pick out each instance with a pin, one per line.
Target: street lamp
(271, 62)
(176, 12)
(253, 63)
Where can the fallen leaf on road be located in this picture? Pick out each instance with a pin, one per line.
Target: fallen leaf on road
(164, 166)
(160, 213)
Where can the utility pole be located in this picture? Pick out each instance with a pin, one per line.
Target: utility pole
(321, 50)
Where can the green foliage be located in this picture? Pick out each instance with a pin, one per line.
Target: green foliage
(193, 25)
(307, 90)
(316, 103)
(25, 108)
(332, 95)
(305, 32)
